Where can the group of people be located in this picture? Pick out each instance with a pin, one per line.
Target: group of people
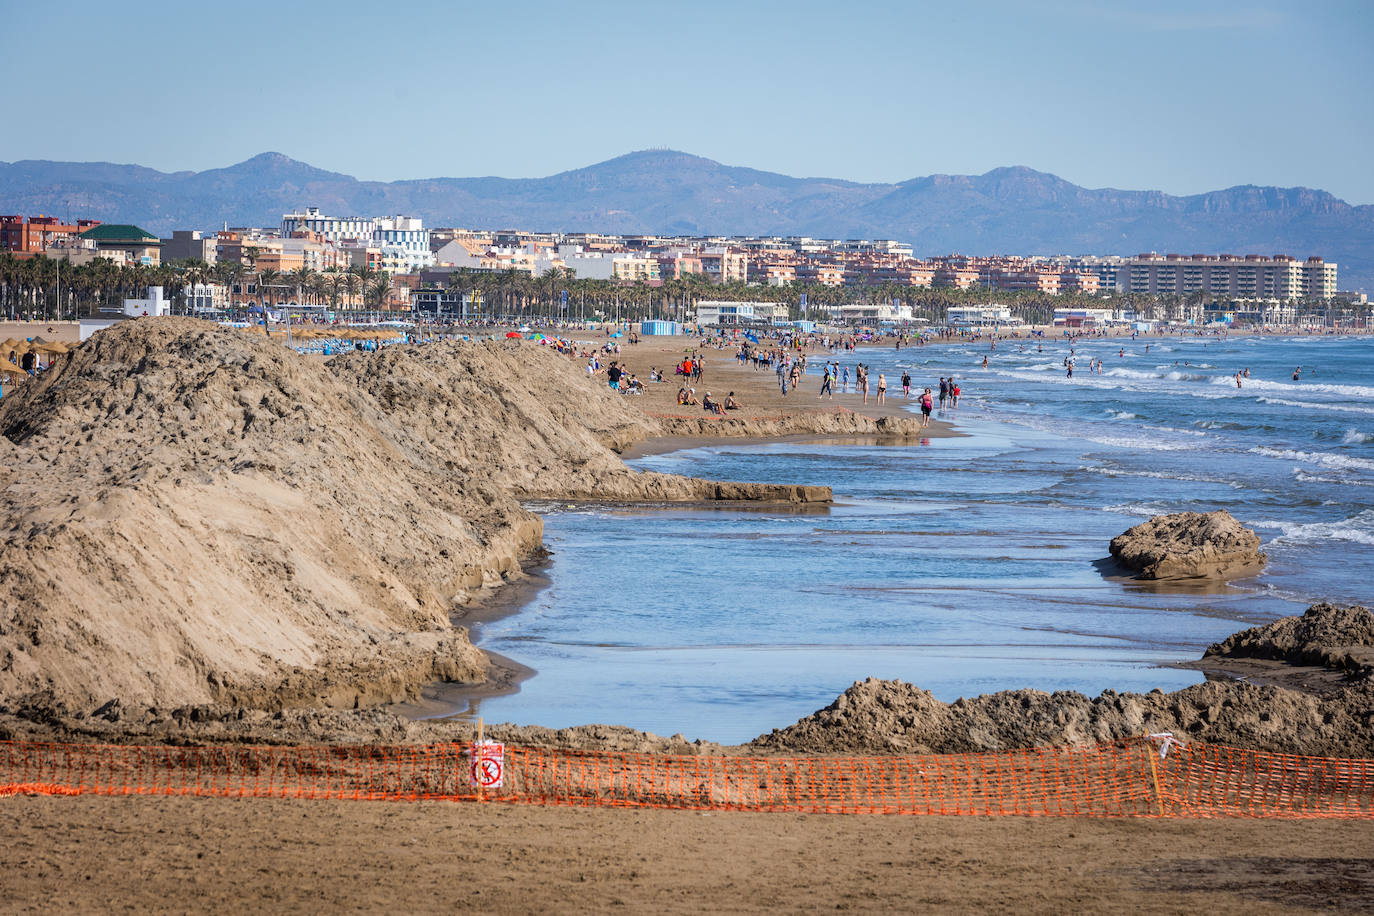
(687, 397)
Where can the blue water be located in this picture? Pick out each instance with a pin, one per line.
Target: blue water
(962, 565)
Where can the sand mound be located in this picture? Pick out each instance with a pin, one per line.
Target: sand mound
(1339, 638)
(1189, 545)
(192, 515)
(895, 717)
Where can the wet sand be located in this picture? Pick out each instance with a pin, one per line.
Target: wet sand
(229, 855)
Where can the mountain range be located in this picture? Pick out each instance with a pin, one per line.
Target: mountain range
(1013, 210)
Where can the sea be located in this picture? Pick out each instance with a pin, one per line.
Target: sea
(962, 565)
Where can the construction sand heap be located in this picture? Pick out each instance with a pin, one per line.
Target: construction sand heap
(1189, 545)
(876, 716)
(191, 515)
(1334, 637)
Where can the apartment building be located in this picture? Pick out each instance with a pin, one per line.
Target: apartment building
(403, 240)
(1250, 276)
(39, 233)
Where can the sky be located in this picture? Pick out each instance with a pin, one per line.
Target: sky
(1182, 97)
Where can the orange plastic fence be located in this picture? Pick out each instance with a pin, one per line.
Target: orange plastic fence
(1147, 777)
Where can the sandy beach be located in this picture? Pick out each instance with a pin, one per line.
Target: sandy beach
(259, 458)
(174, 855)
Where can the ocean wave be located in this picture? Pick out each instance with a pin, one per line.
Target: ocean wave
(1358, 529)
(1147, 509)
(1119, 372)
(1351, 392)
(1160, 475)
(1323, 459)
(1302, 476)
(1121, 414)
(1355, 437)
(1318, 405)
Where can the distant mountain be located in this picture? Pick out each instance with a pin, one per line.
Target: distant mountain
(1007, 210)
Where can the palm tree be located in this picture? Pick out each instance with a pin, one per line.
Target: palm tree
(364, 274)
(380, 290)
(266, 278)
(301, 277)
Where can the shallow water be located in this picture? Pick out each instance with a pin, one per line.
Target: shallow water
(962, 565)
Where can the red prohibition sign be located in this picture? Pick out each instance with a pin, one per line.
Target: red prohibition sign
(488, 772)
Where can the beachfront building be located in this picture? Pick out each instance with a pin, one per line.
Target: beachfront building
(980, 316)
(151, 305)
(718, 314)
(1250, 276)
(872, 312)
(1088, 318)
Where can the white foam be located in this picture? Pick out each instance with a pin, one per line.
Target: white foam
(1358, 529)
(1323, 459)
(1350, 392)
(1355, 437)
(1318, 405)
(1121, 414)
(1119, 372)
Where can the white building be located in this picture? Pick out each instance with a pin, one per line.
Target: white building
(881, 312)
(981, 316)
(716, 314)
(151, 306)
(1087, 318)
(403, 240)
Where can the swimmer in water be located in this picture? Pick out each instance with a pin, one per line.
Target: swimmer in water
(1297, 373)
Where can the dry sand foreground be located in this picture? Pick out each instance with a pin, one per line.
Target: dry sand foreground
(229, 855)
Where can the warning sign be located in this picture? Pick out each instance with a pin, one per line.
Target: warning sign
(488, 764)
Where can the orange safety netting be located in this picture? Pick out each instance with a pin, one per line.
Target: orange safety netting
(1146, 777)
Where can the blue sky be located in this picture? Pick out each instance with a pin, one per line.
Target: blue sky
(1176, 96)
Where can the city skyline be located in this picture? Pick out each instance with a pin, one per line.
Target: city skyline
(1161, 97)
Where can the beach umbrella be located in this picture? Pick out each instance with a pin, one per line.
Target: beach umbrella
(510, 334)
(9, 368)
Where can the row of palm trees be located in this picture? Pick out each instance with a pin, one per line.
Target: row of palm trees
(50, 289)
(518, 295)
(46, 289)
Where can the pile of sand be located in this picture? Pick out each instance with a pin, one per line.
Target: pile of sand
(1339, 638)
(192, 515)
(895, 717)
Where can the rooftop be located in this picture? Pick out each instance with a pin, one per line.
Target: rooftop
(116, 232)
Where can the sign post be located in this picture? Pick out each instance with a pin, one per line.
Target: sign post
(487, 763)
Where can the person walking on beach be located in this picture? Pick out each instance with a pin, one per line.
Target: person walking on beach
(846, 380)
(944, 392)
(862, 371)
(906, 384)
(882, 388)
(825, 384)
(926, 407)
